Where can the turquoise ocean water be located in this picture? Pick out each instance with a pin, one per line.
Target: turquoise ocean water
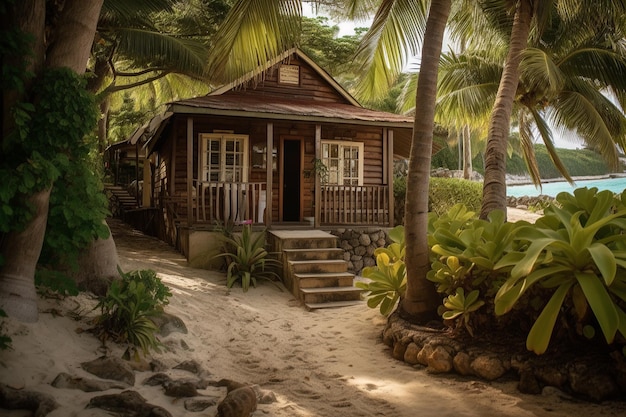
(617, 185)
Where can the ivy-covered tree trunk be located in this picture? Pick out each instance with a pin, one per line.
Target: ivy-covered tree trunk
(421, 300)
(71, 37)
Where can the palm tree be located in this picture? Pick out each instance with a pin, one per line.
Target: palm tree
(539, 12)
(555, 91)
(398, 30)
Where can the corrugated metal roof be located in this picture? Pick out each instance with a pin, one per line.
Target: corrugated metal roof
(270, 107)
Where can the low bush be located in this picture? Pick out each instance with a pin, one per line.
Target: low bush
(561, 279)
(386, 282)
(248, 260)
(443, 194)
(127, 308)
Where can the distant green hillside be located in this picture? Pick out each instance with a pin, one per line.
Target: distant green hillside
(582, 162)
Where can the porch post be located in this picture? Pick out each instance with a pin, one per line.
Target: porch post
(390, 176)
(267, 217)
(318, 188)
(189, 171)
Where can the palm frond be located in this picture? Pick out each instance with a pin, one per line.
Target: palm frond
(467, 88)
(149, 48)
(546, 134)
(393, 39)
(577, 110)
(540, 75)
(124, 10)
(527, 146)
(605, 66)
(253, 33)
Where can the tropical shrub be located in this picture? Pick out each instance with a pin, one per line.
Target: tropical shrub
(127, 308)
(54, 283)
(443, 194)
(464, 254)
(386, 283)
(576, 252)
(248, 260)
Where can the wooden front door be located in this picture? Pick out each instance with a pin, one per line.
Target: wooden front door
(291, 180)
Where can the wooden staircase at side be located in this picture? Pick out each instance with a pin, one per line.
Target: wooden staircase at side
(125, 200)
(314, 269)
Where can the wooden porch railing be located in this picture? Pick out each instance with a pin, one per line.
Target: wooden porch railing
(354, 204)
(230, 201)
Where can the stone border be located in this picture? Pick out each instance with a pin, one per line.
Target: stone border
(595, 376)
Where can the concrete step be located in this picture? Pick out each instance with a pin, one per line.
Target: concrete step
(325, 280)
(320, 266)
(333, 304)
(302, 239)
(330, 294)
(313, 254)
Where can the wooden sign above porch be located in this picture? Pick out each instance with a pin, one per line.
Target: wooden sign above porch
(289, 74)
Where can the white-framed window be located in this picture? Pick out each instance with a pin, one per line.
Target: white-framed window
(344, 161)
(223, 157)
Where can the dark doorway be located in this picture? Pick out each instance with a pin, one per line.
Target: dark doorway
(291, 180)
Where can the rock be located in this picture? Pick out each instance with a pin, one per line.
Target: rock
(64, 380)
(110, 368)
(190, 366)
(488, 367)
(240, 402)
(596, 386)
(168, 323)
(39, 403)
(157, 379)
(180, 389)
(364, 240)
(199, 404)
(440, 360)
(462, 363)
(410, 355)
(528, 384)
(128, 404)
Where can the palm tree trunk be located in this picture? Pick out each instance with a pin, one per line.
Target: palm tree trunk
(494, 186)
(467, 153)
(421, 300)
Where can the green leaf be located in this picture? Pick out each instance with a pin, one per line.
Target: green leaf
(600, 302)
(604, 260)
(539, 335)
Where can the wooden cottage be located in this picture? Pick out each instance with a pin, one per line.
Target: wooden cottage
(287, 150)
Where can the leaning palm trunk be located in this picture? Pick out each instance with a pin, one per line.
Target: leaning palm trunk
(74, 35)
(494, 186)
(420, 302)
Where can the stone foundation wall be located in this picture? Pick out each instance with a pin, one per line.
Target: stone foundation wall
(359, 246)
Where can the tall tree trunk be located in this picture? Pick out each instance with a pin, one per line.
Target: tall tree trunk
(421, 300)
(467, 153)
(73, 36)
(494, 186)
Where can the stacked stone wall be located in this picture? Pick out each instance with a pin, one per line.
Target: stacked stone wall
(359, 246)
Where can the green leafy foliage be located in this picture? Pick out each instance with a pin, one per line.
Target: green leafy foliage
(5, 341)
(50, 282)
(459, 305)
(577, 252)
(51, 144)
(386, 283)
(248, 260)
(443, 194)
(127, 308)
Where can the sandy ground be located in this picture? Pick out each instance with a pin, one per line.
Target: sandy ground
(320, 363)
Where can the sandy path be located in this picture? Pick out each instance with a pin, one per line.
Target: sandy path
(323, 363)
